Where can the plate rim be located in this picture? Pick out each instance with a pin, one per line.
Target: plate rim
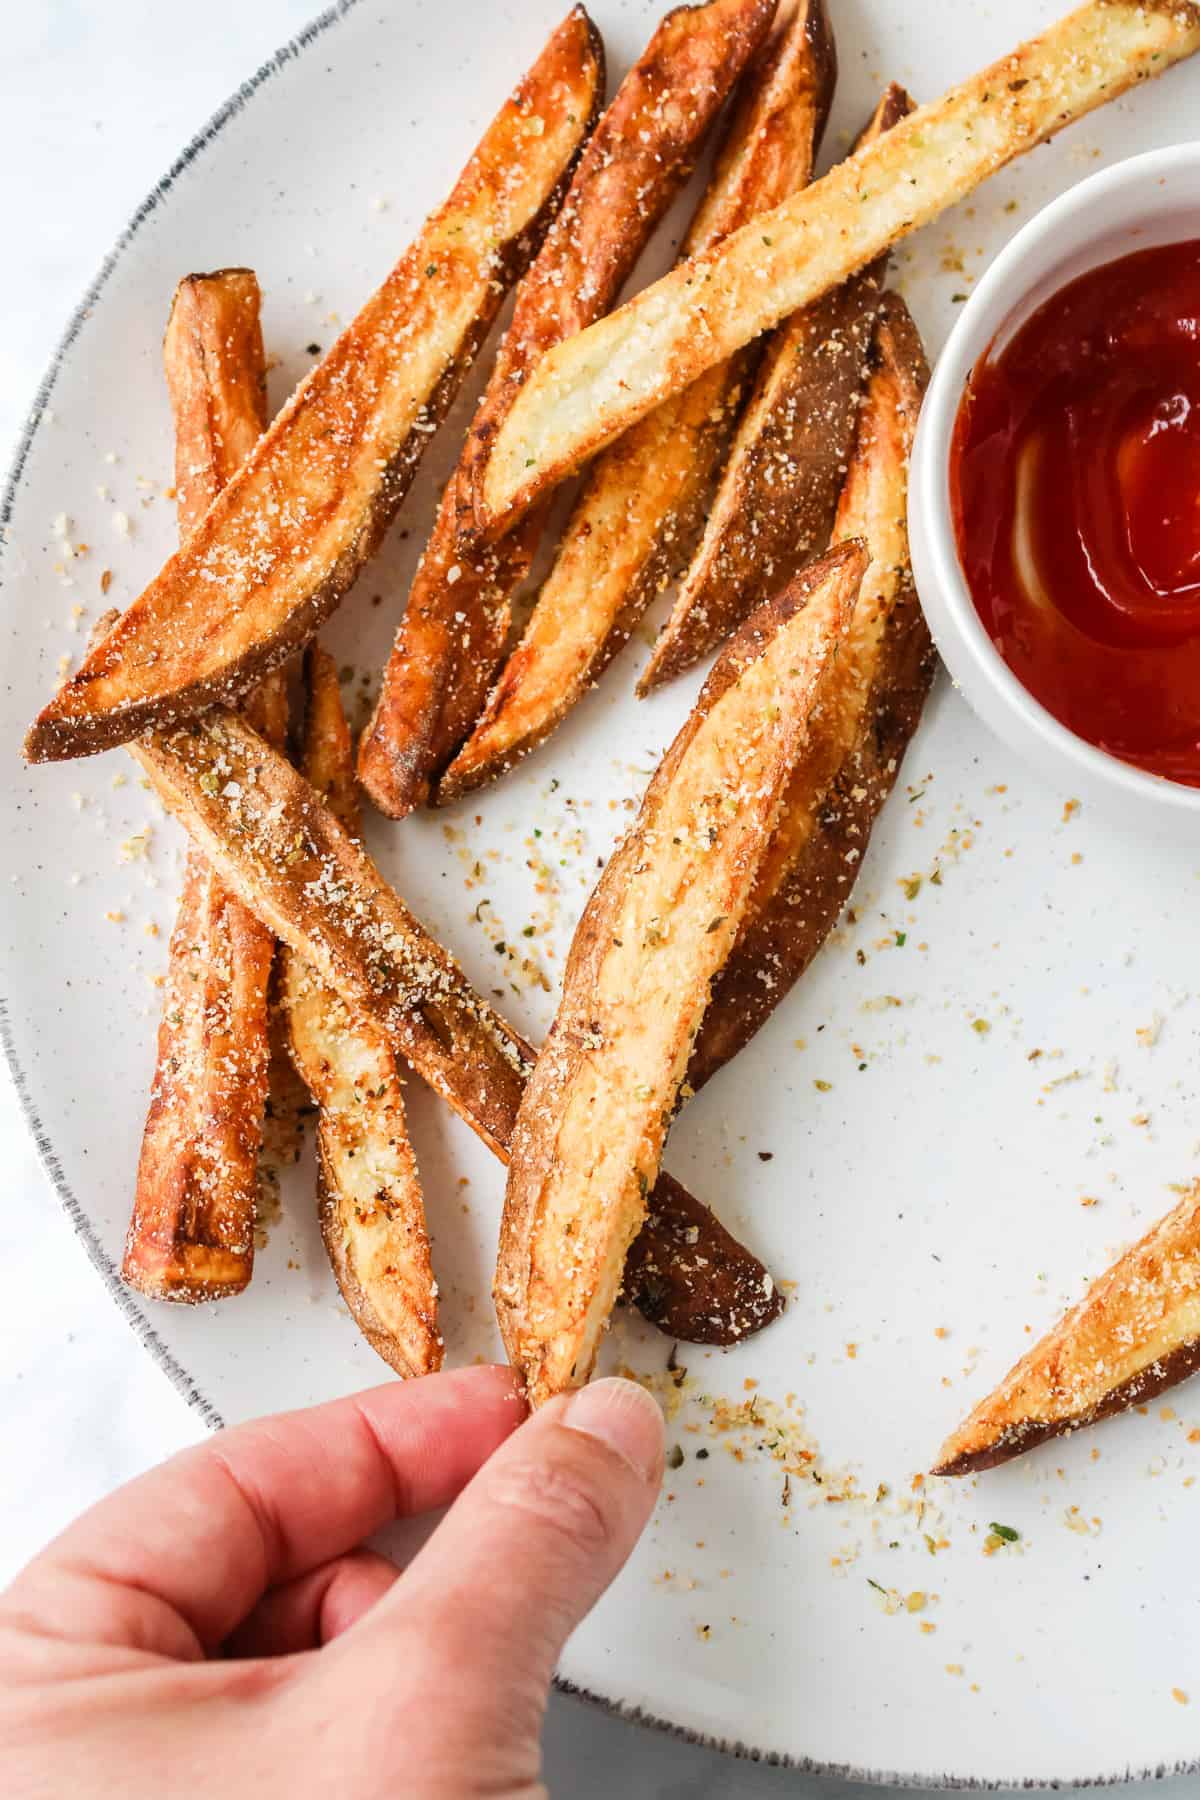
(131, 1311)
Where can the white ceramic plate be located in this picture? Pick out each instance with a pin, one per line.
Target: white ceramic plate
(926, 1204)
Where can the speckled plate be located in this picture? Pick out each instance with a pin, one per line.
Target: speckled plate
(966, 1065)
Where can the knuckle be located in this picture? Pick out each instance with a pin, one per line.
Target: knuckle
(556, 1500)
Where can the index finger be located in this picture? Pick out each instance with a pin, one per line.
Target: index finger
(197, 1541)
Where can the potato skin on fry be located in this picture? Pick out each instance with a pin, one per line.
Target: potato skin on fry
(689, 1276)
(1135, 1333)
(369, 1199)
(590, 1131)
(871, 707)
(775, 502)
(278, 549)
(279, 847)
(642, 503)
(191, 1230)
(587, 391)
(456, 623)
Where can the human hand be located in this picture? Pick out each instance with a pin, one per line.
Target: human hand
(214, 1629)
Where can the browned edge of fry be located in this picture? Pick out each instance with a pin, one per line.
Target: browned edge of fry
(1000, 1443)
(642, 504)
(1064, 1383)
(456, 623)
(191, 1231)
(258, 577)
(872, 708)
(774, 504)
(279, 846)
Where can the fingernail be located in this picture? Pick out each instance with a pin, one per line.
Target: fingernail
(623, 1416)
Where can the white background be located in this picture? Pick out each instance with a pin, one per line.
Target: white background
(94, 103)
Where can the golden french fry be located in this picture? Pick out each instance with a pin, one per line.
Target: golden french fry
(191, 1231)
(280, 546)
(660, 923)
(369, 1192)
(1135, 1333)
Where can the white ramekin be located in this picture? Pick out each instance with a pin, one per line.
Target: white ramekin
(1148, 200)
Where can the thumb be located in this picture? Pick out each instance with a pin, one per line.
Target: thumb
(524, 1553)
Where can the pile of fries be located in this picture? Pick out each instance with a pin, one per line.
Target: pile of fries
(749, 420)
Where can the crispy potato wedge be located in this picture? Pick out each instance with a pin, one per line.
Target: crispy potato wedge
(281, 850)
(1135, 1333)
(456, 624)
(870, 707)
(369, 1192)
(774, 505)
(191, 1231)
(587, 391)
(640, 508)
(659, 925)
(276, 552)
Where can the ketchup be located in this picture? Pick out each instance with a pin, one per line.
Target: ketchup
(1075, 486)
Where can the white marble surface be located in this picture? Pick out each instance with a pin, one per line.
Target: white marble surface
(94, 102)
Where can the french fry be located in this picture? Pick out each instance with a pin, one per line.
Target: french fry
(660, 923)
(216, 374)
(774, 505)
(191, 1232)
(280, 849)
(456, 623)
(1135, 1333)
(369, 1192)
(278, 549)
(870, 706)
(641, 506)
(587, 391)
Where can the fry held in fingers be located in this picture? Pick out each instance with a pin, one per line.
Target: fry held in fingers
(456, 623)
(191, 1232)
(280, 848)
(370, 1203)
(641, 505)
(659, 925)
(774, 504)
(871, 705)
(587, 391)
(275, 553)
(1135, 1333)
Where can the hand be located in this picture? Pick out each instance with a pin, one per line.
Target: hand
(214, 1629)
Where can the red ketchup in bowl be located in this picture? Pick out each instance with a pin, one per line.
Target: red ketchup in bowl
(1075, 490)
